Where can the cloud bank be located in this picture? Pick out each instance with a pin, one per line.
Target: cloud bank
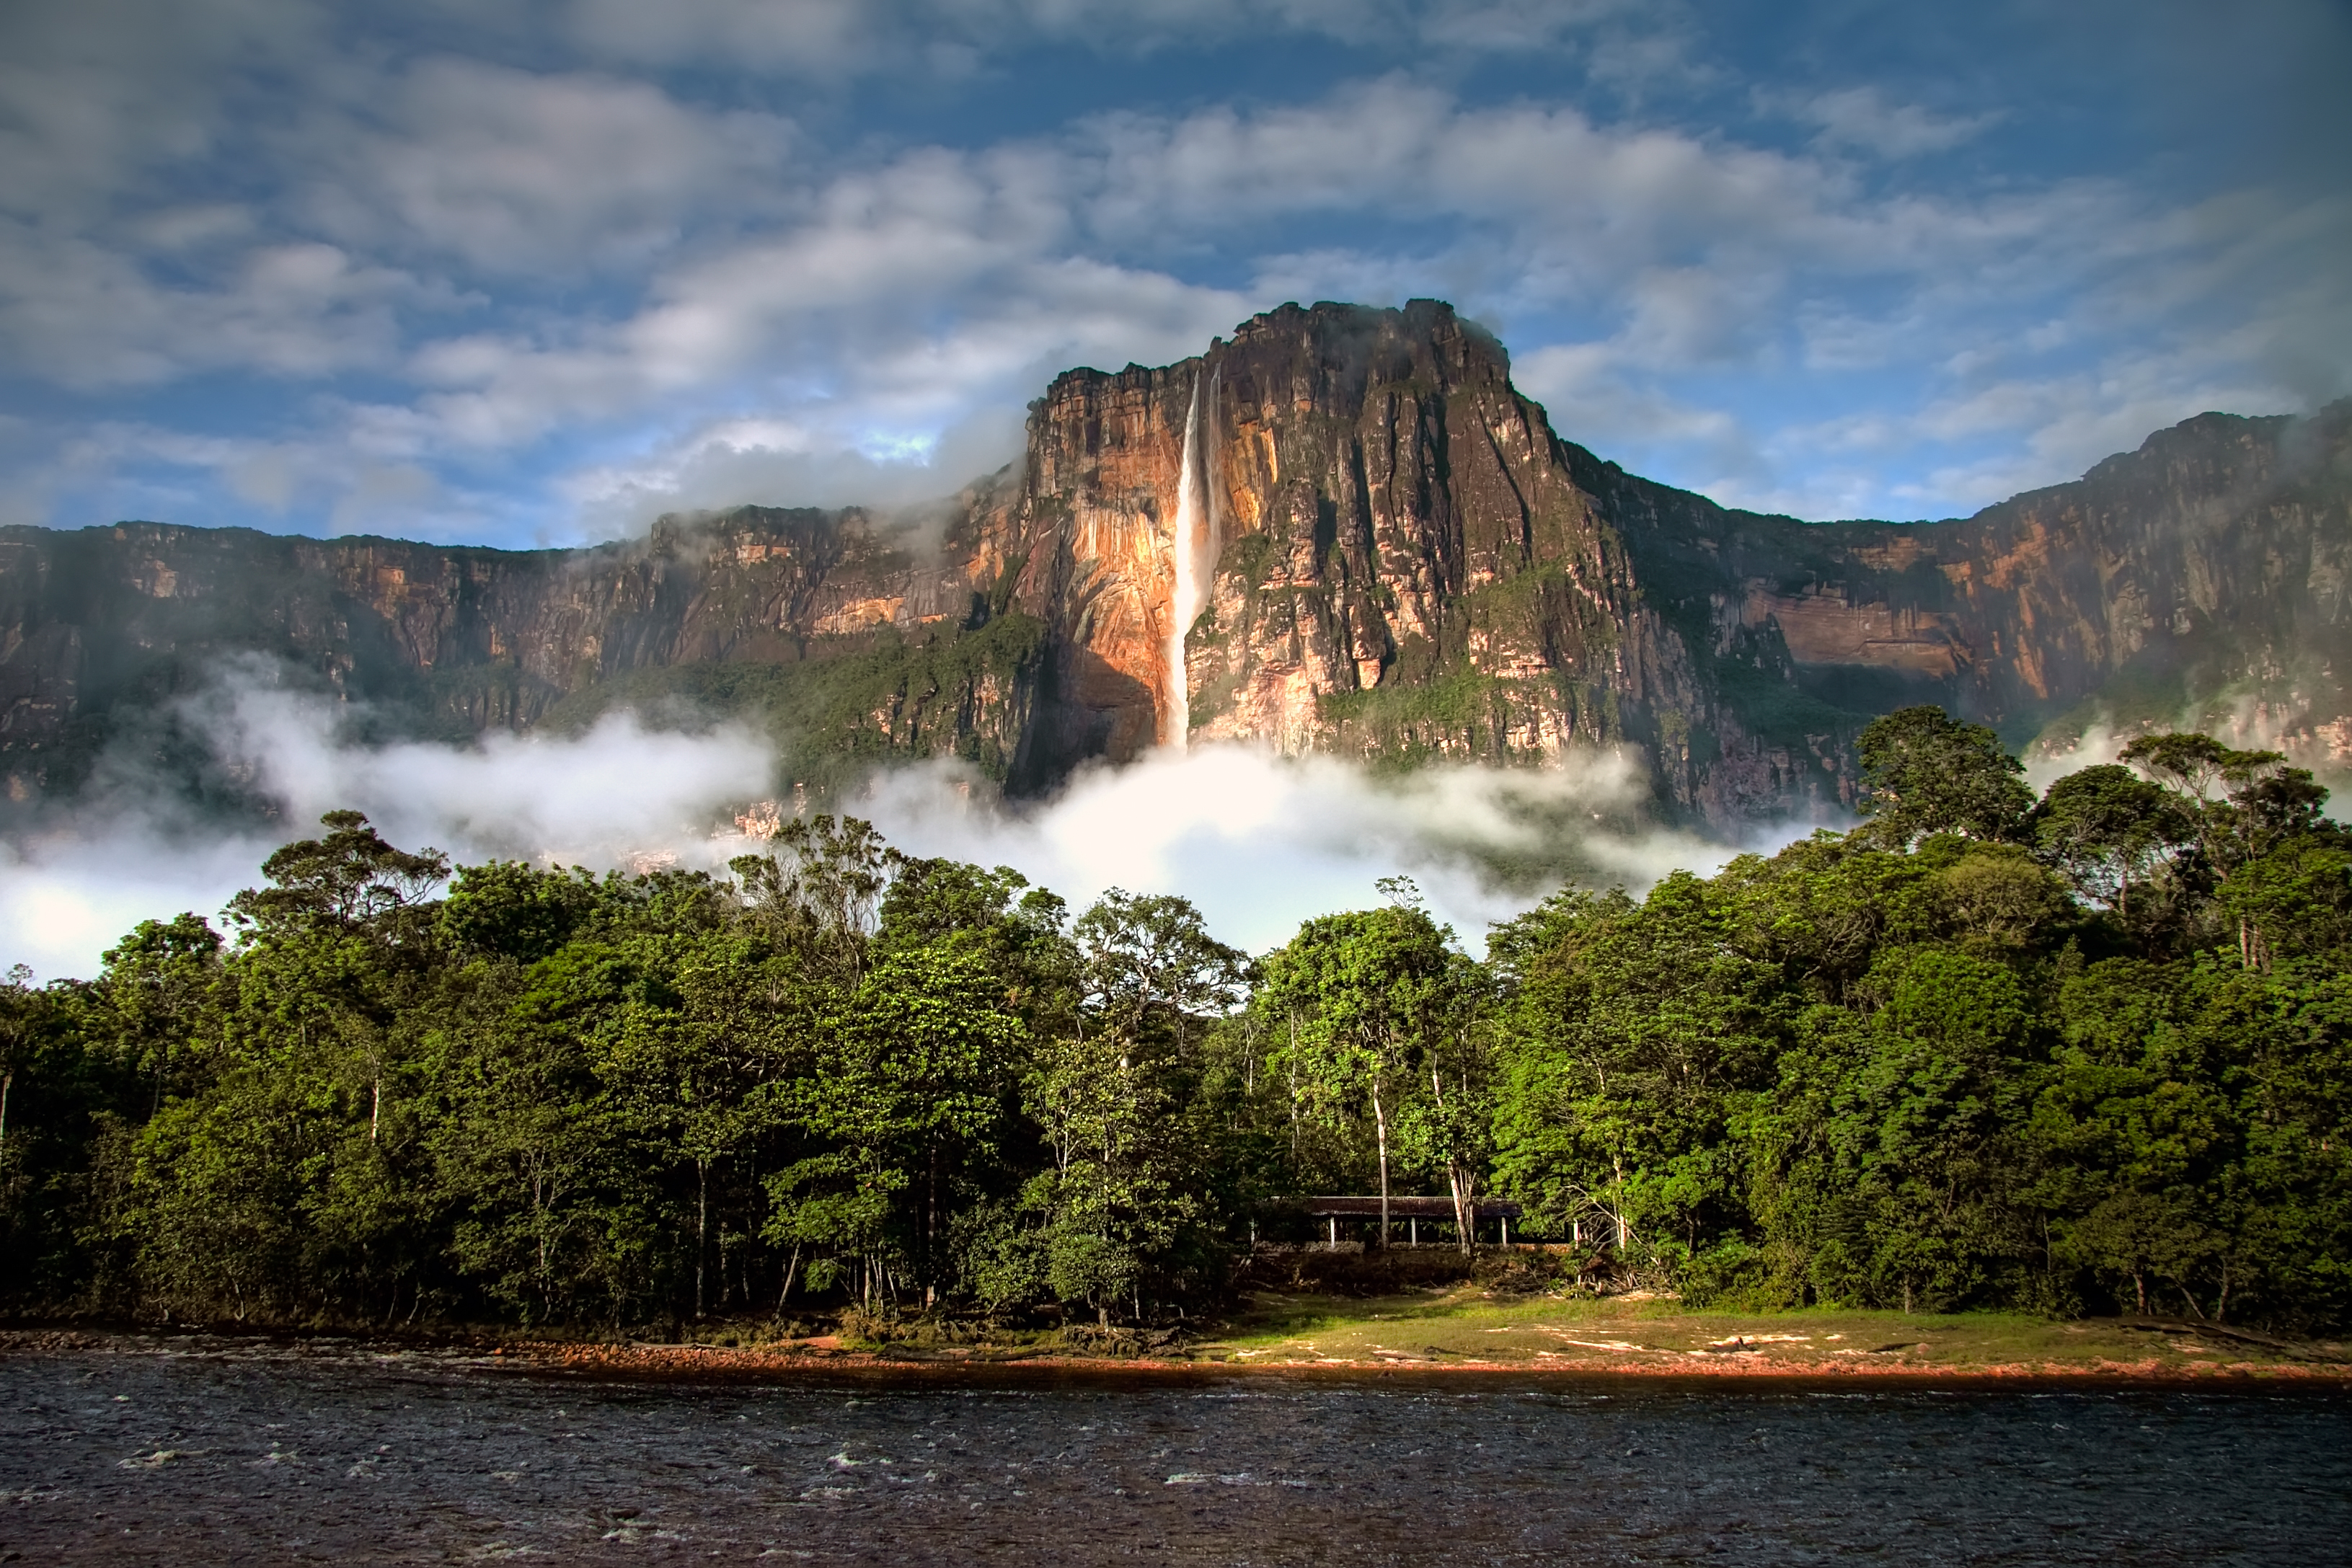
(137, 851)
(1259, 842)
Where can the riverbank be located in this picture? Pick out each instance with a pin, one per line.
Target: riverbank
(1432, 1331)
(1639, 1336)
(1439, 1332)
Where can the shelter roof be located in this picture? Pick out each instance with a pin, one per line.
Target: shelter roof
(1338, 1205)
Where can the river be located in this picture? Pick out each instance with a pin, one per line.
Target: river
(215, 1452)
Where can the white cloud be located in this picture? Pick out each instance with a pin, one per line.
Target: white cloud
(1693, 246)
(919, 414)
(99, 97)
(778, 463)
(806, 36)
(66, 901)
(513, 170)
(601, 800)
(497, 264)
(1260, 842)
(1862, 119)
(335, 481)
(81, 315)
(596, 799)
(1596, 398)
(818, 41)
(1694, 241)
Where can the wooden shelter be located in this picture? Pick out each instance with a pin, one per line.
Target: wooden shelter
(1332, 1207)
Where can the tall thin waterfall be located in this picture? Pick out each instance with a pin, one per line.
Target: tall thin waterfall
(1196, 564)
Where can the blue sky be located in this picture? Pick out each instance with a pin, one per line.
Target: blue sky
(524, 273)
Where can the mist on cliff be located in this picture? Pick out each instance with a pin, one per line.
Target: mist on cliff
(908, 484)
(1262, 842)
(1259, 842)
(2274, 719)
(136, 847)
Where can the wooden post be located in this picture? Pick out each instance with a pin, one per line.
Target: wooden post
(1507, 1231)
(1333, 1221)
(1411, 1232)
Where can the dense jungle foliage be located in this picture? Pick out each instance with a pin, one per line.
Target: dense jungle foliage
(2075, 1053)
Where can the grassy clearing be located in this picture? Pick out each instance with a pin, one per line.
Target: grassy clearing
(1464, 1325)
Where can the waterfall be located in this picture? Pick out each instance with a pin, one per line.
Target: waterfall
(1196, 564)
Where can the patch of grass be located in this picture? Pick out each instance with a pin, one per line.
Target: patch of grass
(1469, 1324)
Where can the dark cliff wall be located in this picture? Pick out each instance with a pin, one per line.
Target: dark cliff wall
(101, 627)
(2204, 576)
(1404, 562)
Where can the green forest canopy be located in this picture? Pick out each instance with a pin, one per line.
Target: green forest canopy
(2072, 1053)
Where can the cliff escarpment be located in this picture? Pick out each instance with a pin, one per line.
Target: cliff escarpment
(836, 624)
(2200, 579)
(1343, 529)
(1392, 558)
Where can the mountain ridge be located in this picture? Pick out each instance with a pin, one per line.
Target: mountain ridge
(1392, 554)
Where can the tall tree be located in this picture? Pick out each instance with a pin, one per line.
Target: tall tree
(818, 888)
(1372, 991)
(350, 879)
(20, 1022)
(693, 1060)
(1151, 969)
(2106, 828)
(1120, 1191)
(1633, 1037)
(153, 998)
(908, 1079)
(1453, 1131)
(1922, 772)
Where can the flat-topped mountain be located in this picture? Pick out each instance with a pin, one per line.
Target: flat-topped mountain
(1342, 529)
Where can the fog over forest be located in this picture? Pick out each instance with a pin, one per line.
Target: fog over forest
(1257, 841)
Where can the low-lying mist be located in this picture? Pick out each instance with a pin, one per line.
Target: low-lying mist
(136, 849)
(1259, 842)
(2248, 721)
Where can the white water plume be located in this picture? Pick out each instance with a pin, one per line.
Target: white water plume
(1195, 549)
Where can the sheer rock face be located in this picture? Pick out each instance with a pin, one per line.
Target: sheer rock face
(1406, 563)
(2206, 578)
(1412, 565)
(101, 622)
(1407, 566)
(1084, 543)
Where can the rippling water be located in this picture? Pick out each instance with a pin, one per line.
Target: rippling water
(223, 1456)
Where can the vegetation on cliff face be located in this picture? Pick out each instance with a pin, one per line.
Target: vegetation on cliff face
(884, 696)
(2084, 1051)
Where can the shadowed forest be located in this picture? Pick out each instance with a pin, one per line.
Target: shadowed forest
(2075, 1055)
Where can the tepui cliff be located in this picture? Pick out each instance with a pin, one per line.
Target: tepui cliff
(1342, 529)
